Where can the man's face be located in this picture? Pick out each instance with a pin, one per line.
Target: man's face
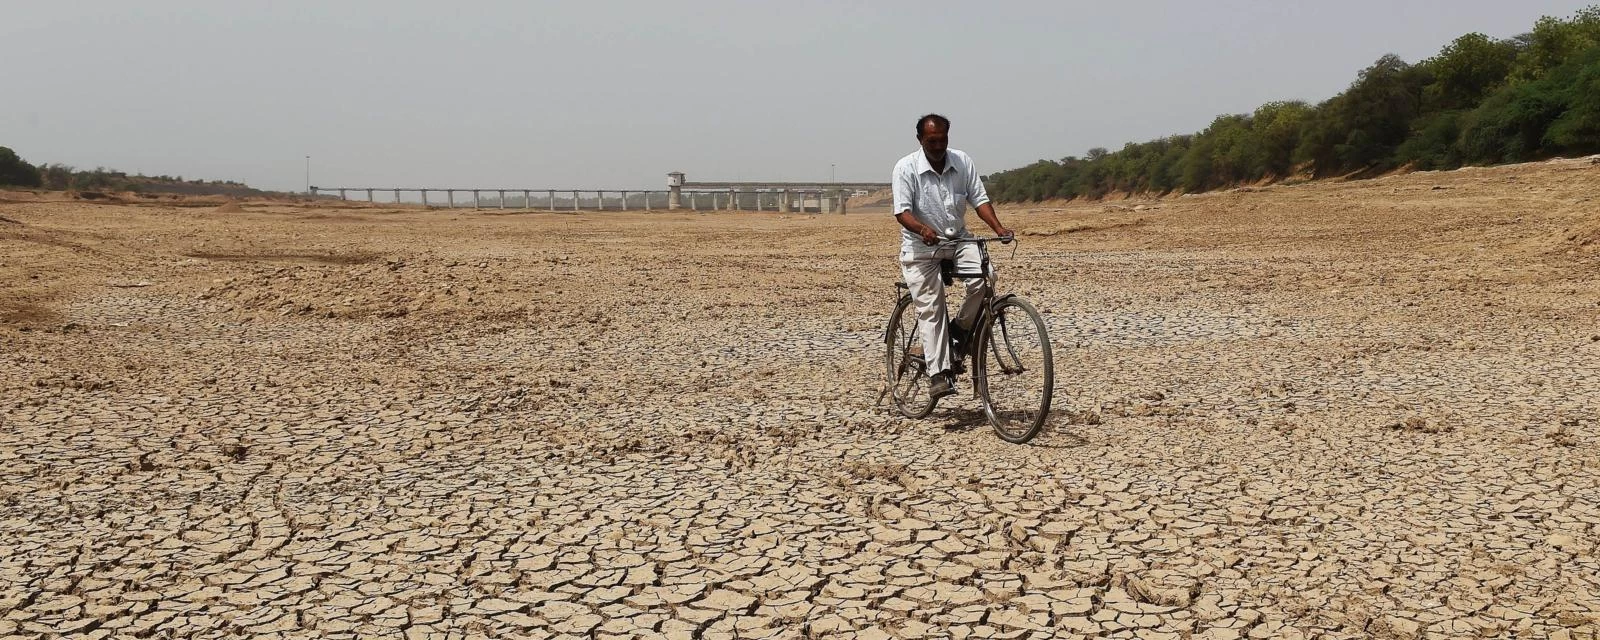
(934, 139)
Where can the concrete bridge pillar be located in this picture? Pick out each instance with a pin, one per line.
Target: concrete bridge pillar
(783, 201)
(450, 198)
(843, 196)
(624, 201)
(341, 195)
(574, 201)
(552, 200)
(474, 199)
(397, 196)
(527, 199)
(369, 196)
(502, 198)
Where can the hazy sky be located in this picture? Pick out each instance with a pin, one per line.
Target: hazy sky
(615, 94)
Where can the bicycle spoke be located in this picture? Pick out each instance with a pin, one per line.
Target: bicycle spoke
(1017, 374)
(906, 371)
(910, 375)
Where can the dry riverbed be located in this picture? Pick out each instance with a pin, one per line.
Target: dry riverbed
(1337, 410)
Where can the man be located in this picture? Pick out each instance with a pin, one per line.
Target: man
(932, 188)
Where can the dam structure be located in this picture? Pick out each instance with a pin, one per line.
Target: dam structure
(783, 197)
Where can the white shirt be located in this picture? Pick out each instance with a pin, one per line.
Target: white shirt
(937, 200)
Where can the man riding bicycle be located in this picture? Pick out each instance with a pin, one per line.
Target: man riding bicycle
(932, 188)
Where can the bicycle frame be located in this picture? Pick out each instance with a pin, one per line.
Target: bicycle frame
(991, 279)
(990, 345)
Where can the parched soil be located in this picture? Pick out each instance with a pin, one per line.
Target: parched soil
(1339, 409)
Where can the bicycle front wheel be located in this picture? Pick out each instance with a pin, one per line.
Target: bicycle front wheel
(1015, 373)
(907, 371)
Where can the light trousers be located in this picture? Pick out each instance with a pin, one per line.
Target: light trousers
(921, 271)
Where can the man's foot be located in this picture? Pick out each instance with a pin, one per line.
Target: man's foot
(943, 384)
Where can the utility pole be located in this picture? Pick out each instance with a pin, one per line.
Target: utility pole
(831, 177)
(308, 175)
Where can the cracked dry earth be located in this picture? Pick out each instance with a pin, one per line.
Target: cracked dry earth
(1335, 410)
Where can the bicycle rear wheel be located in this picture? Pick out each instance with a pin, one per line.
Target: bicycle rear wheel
(906, 369)
(1014, 372)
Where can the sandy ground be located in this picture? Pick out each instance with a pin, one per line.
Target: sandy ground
(1336, 410)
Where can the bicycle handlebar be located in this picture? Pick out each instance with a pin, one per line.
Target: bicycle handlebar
(979, 240)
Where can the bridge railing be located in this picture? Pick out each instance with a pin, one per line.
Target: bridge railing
(781, 200)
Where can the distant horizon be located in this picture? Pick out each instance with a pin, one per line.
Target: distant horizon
(616, 95)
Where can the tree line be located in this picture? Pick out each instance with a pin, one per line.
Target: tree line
(16, 172)
(1479, 101)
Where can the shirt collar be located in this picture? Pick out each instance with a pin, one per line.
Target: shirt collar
(923, 166)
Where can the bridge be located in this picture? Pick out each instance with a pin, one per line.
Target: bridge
(830, 197)
(822, 197)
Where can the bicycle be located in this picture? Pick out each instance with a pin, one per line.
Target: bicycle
(1010, 346)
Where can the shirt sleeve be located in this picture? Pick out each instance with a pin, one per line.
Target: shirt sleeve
(903, 189)
(976, 195)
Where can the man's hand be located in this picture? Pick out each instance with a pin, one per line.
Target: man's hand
(1006, 235)
(912, 224)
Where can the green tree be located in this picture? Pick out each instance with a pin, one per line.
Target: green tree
(56, 176)
(1379, 109)
(1478, 100)
(1279, 126)
(1236, 153)
(1361, 128)
(1467, 70)
(1195, 167)
(1434, 142)
(1167, 175)
(1558, 113)
(1577, 130)
(1554, 41)
(1510, 125)
(15, 171)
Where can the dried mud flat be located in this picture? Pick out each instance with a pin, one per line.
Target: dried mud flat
(1335, 410)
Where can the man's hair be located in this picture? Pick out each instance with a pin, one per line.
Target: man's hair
(941, 121)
